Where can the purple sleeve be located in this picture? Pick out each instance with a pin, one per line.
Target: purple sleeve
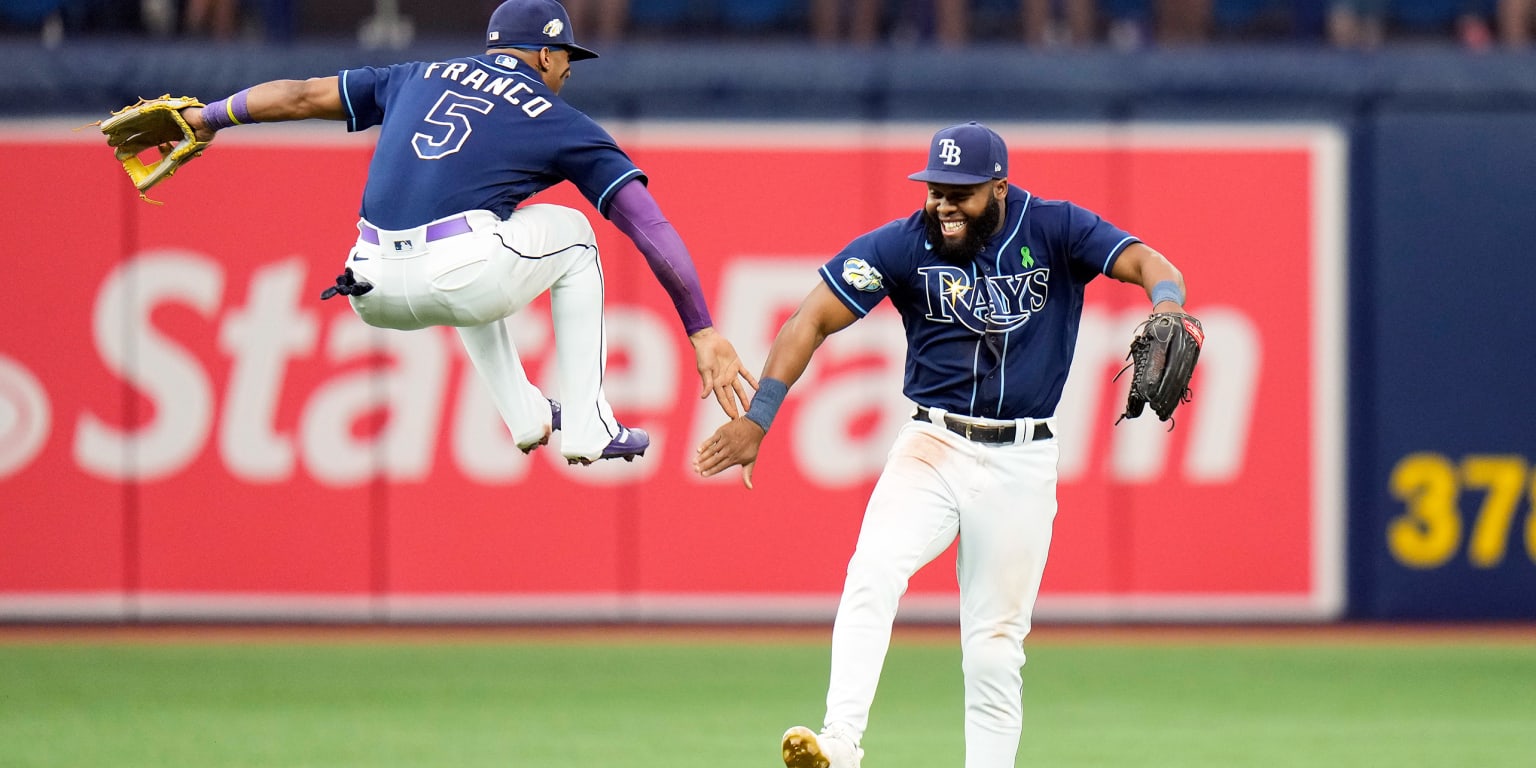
(636, 214)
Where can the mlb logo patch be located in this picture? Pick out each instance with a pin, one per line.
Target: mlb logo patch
(403, 245)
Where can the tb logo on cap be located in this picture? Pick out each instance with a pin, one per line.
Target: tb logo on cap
(949, 151)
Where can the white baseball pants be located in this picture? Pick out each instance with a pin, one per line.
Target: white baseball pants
(1000, 500)
(474, 280)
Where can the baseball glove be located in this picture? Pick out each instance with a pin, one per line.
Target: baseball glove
(153, 124)
(1163, 355)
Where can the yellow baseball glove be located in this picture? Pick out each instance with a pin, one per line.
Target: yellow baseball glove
(153, 124)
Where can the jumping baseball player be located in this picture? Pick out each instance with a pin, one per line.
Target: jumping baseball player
(989, 281)
(442, 239)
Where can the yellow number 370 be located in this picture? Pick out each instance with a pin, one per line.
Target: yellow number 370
(1429, 533)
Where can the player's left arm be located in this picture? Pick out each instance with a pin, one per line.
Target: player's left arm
(274, 101)
(1140, 265)
(1165, 347)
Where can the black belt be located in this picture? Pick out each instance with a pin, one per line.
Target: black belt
(982, 433)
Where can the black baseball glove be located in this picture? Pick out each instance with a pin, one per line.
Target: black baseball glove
(1163, 355)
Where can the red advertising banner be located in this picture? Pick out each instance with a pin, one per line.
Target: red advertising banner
(186, 430)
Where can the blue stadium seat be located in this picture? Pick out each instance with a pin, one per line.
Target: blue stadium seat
(1126, 9)
(1434, 14)
(1236, 14)
(748, 15)
(1423, 13)
(28, 12)
(667, 13)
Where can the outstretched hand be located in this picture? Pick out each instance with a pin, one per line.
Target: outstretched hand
(722, 372)
(735, 443)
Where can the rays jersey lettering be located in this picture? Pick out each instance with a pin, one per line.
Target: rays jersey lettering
(987, 304)
(994, 337)
(515, 91)
(473, 133)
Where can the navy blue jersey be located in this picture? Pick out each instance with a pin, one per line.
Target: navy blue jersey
(994, 338)
(480, 132)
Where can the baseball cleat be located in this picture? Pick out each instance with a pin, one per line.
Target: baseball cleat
(805, 749)
(629, 444)
(554, 426)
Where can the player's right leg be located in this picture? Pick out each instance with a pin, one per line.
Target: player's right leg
(910, 519)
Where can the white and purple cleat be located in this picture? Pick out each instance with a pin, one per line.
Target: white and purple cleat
(629, 444)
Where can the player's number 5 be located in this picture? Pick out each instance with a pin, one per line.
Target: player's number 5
(449, 125)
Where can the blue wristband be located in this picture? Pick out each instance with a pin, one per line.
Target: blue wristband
(1167, 290)
(765, 404)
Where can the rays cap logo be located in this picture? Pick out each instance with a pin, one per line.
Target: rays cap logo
(968, 153)
(533, 24)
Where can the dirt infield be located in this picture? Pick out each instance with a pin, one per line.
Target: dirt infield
(1063, 634)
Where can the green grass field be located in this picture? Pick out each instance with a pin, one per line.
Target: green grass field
(720, 702)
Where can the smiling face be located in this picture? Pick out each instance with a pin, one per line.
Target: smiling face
(960, 218)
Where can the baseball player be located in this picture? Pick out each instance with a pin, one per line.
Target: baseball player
(989, 281)
(442, 239)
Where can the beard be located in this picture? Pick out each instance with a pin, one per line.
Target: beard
(977, 232)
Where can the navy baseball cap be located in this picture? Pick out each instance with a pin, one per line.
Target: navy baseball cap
(969, 153)
(536, 23)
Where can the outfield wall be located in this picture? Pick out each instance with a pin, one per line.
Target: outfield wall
(204, 437)
(186, 432)
(1443, 445)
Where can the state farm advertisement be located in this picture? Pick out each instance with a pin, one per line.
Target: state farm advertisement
(186, 430)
